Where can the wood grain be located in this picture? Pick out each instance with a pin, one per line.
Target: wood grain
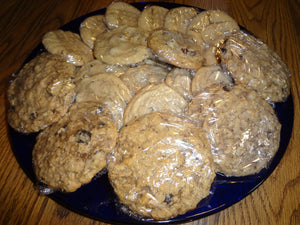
(23, 23)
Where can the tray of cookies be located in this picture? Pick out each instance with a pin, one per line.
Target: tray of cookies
(150, 113)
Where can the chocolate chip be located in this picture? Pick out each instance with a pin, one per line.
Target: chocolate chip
(168, 198)
(83, 136)
(184, 50)
(12, 108)
(225, 88)
(192, 53)
(223, 50)
(225, 41)
(33, 115)
(99, 109)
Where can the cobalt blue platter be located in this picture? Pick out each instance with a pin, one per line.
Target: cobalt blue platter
(97, 199)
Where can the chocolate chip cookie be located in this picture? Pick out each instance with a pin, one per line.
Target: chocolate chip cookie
(41, 93)
(253, 64)
(241, 127)
(72, 151)
(162, 166)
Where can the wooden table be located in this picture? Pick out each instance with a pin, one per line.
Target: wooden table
(22, 25)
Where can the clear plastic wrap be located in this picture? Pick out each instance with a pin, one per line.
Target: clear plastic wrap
(90, 28)
(154, 98)
(68, 45)
(242, 128)
(152, 18)
(177, 49)
(174, 130)
(180, 80)
(95, 67)
(120, 13)
(211, 26)
(107, 89)
(41, 93)
(138, 77)
(162, 166)
(72, 151)
(253, 64)
(123, 46)
(209, 76)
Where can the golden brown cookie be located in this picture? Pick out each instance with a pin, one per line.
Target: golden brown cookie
(69, 45)
(107, 89)
(119, 13)
(178, 19)
(211, 27)
(255, 65)
(241, 127)
(72, 151)
(176, 48)
(162, 166)
(152, 18)
(154, 98)
(41, 93)
(95, 67)
(138, 77)
(122, 46)
(209, 76)
(90, 28)
(180, 80)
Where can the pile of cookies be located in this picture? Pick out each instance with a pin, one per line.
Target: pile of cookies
(161, 98)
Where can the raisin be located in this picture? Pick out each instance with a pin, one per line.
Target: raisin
(223, 50)
(33, 115)
(168, 198)
(184, 50)
(12, 108)
(225, 88)
(83, 136)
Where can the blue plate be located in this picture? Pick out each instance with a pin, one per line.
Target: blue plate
(97, 199)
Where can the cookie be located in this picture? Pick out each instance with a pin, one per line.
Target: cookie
(255, 65)
(155, 61)
(138, 77)
(72, 151)
(69, 45)
(154, 98)
(241, 127)
(176, 48)
(41, 93)
(211, 27)
(122, 46)
(209, 55)
(118, 14)
(178, 19)
(95, 67)
(90, 28)
(180, 80)
(107, 89)
(208, 76)
(152, 18)
(161, 167)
